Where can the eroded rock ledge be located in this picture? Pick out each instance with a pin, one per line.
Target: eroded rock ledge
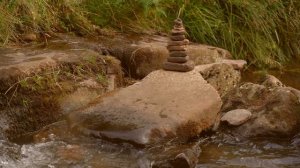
(35, 84)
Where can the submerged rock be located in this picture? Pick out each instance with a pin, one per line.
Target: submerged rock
(276, 110)
(236, 117)
(296, 140)
(162, 106)
(10, 153)
(177, 156)
(272, 81)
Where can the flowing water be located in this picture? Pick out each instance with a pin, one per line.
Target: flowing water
(218, 151)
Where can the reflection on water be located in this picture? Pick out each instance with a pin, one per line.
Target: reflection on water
(289, 75)
(226, 151)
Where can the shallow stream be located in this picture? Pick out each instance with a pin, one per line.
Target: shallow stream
(219, 150)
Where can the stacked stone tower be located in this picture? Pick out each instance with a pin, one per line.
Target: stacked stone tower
(178, 59)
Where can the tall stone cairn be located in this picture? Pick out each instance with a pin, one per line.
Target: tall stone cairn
(178, 59)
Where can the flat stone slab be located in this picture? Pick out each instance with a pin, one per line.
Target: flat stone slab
(164, 105)
(15, 62)
(236, 117)
(179, 67)
(178, 54)
(178, 59)
(177, 37)
(178, 43)
(236, 64)
(176, 48)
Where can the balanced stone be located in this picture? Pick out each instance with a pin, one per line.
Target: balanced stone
(177, 38)
(178, 59)
(180, 67)
(178, 28)
(180, 43)
(178, 54)
(176, 48)
(178, 21)
(178, 32)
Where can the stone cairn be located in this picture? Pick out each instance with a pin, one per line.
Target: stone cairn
(178, 59)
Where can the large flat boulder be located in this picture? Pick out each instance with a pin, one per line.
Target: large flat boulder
(162, 106)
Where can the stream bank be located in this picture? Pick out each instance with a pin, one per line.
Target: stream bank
(77, 71)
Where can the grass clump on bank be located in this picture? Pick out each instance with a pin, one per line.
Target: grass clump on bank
(265, 32)
(19, 17)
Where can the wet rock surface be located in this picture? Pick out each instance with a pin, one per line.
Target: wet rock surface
(172, 156)
(275, 111)
(164, 105)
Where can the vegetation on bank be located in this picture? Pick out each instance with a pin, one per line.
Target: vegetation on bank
(32, 100)
(265, 32)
